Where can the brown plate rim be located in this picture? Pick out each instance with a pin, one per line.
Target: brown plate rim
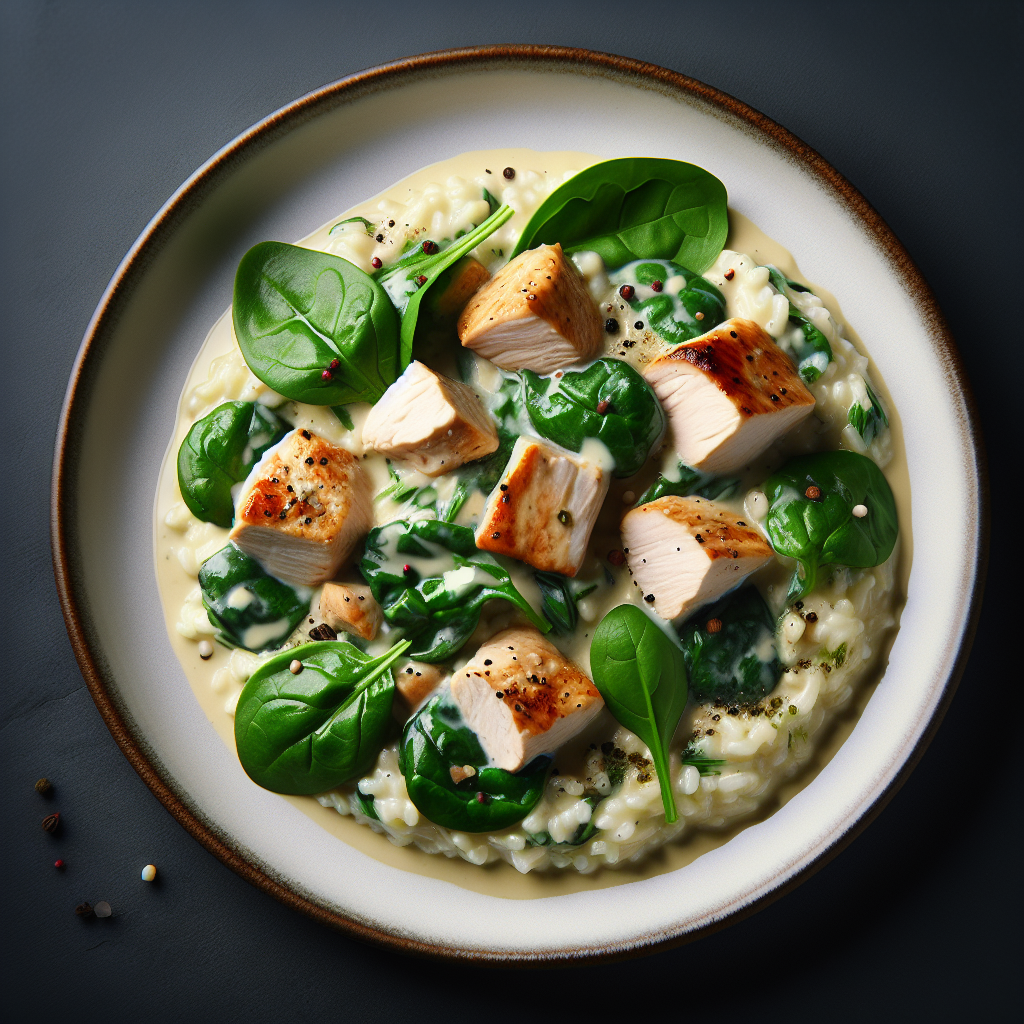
(284, 120)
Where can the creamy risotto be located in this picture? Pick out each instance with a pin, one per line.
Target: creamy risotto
(773, 628)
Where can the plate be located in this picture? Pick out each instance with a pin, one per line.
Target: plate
(282, 179)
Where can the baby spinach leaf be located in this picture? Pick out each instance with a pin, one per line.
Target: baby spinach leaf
(685, 305)
(823, 530)
(559, 597)
(300, 314)
(635, 208)
(408, 281)
(738, 663)
(310, 731)
(642, 677)
(251, 608)
(867, 415)
(432, 581)
(218, 452)
(608, 400)
(812, 352)
(690, 481)
(437, 739)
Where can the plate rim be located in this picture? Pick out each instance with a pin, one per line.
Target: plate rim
(289, 117)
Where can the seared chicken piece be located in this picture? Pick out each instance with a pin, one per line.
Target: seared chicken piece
(304, 507)
(352, 608)
(534, 314)
(430, 422)
(728, 395)
(523, 698)
(544, 507)
(416, 681)
(685, 552)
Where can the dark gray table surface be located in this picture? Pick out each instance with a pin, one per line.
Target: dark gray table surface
(106, 109)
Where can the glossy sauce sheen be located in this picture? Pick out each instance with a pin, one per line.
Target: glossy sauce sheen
(175, 585)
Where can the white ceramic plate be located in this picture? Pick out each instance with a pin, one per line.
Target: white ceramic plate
(285, 177)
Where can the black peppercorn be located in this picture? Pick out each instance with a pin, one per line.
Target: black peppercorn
(50, 822)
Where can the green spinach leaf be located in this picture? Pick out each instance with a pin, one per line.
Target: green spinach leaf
(251, 609)
(410, 279)
(432, 581)
(218, 452)
(738, 663)
(822, 530)
(559, 597)
(314, 327)
(812, 352)
(684, 307)
(367, 225)
(608, 400)
(867, 415)
(690, 481)
(635, 208)
(642, 677)
(310, 731)
(437, 739)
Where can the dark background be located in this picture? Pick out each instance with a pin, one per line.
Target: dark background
(106, 109)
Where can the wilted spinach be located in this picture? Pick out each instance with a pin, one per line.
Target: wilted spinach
(642, 677)
(738, 663)
(218, 452)
(635, 208)
(608, 400)
(409, 280)
(314, 327)
(813, 352)
(578, 838)
(704, 765)
(310, 731)
(559, 597)
(432, 581)
(690, 481)
(437, 739)
(251, 608)
(867, 415)
(675, 315)
(822, 529)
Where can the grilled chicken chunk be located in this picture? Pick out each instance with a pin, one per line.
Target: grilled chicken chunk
(728, 395)
(430, 422)
(685, 552)
(523, 698)
(416, 681)
(350, 607)
(534, 314)
(304, 507)
(544, 507)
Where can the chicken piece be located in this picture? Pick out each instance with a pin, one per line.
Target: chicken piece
(544, 507)
(416, 681)
(534, 314)
(304, 507)
(352, 608)
(523, 698)
(728, 395)
(685, 552)
(430, 422)
(464, 280)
